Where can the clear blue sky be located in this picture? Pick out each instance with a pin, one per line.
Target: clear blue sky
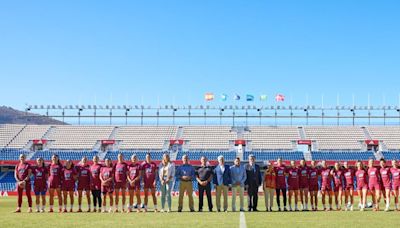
(69, 52)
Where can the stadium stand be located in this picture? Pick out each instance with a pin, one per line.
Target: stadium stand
(336, 138)
(390, 155)
(342, 155)
(7, 181)
(141, 155)
(211, 155)
(208, 137)
(144, 137)
(8, 132)
(274, 155)
(78, 137)
(390, 135)
(272, 138)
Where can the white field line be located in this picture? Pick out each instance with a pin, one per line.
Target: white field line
(242, 221)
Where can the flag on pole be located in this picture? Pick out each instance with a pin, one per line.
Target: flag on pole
(279, 97)
(236, 97)
(209, 96)
(224, 97)
(249, 97)
(263, 97)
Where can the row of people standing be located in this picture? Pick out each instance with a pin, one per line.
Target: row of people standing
(108, 180)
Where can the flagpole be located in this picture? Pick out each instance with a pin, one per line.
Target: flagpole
(322, 98)
(369, 101)
(337, 99)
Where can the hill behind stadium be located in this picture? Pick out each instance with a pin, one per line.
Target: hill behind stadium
(9, 115)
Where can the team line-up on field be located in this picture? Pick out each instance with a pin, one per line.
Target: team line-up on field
(107, 181)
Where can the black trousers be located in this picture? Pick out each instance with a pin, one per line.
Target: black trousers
(207, 189)
(252, 193)
(278, 201)
(96, 197)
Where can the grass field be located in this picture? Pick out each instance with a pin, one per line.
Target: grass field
(205, 219)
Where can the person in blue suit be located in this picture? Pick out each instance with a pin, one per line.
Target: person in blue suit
(222, 180)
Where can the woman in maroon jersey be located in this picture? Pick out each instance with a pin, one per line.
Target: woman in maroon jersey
(22, 175)
(40, 175)
(303, 184)
(373, 184)
(134, 183)
(362, 184)
(149, 173)
(69, 176)
(83, 170)
(55, 177)
(280, 172)
(120, 180)
(395, 174)
(326, 185)
(313, 174)
(349, 174)
(107, 184)
(385, 180)
(95, 183)
(293, 183)
(338, 183)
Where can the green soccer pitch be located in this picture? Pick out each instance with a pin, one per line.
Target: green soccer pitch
(356, 218)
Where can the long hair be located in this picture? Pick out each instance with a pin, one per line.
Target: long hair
(41, 159)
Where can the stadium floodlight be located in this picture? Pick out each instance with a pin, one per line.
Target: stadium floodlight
(230, 107)
(207, 107)
(141, 106)
(236, 107)
(137, 107)
(389, 107)
(190, 107)
(59, 106)
(83, 107)
(201, 106)
(100, 107)
(124, 106)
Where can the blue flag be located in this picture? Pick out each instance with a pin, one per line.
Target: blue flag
(224, 97)
(249, 97)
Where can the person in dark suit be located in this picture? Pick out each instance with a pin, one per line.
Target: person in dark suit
(253, 182)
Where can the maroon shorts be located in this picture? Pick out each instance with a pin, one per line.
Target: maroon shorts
(107, 189)
(373, 186)
(303, 185)
(68, 188)
(40, 188)
(149, 185)
(83, 187)
(326, 188)
(396, 187)
(383, 187)
(120, 185)
(313, 188)
(135, 187)
(349, 187)
(55, 185)
(337, 188)
(293, 187)
(362, 187)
